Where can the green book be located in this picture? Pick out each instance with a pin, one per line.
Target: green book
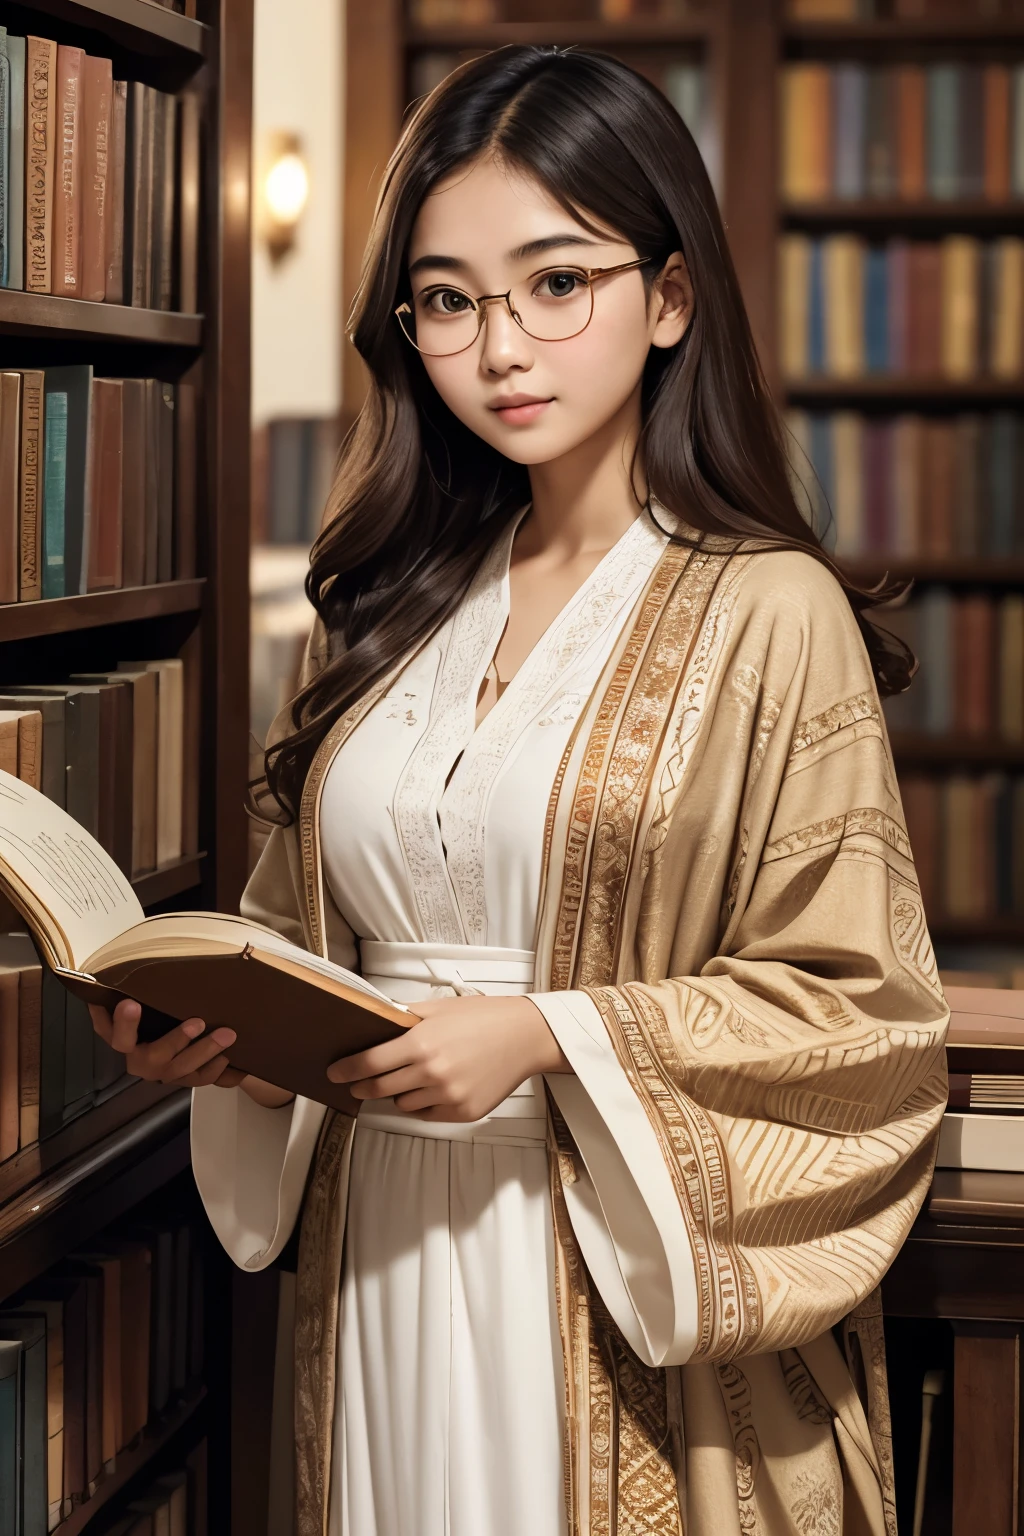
(29, 1330)
(55, 474)
(10, 1438)
(943, 130)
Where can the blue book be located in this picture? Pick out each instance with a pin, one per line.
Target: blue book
(74, 382)
(816, 312)
(936, 673)
(849, 85)
(54, 477)
(876, 309)
(16, 165)
(6, 232)
(10, 1438)
(942, 130)
(1001, 450)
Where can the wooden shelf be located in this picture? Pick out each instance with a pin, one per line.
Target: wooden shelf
(922, 29)
(650, 31)
(60, 615)
(977, 751)
(973, 213)
(898, 387)
(966, 570)
(79, 1196)
(169, 880)
(43, 314)
(982, 930)
(141, 25)
(131, 1461)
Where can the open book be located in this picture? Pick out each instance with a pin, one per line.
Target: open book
(293, 1012)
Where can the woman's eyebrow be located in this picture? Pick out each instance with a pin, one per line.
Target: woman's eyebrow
(520, 253)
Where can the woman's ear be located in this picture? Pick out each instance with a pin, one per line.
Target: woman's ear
(671, 302)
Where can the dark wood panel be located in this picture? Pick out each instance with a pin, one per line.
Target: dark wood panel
(132, 1460)
(896, 389)
(62, 1210)
(956, 1279)
(967, 27)
(60, 615)
(897, 213)
(918, 748)
(986, 1408)
(139, 24)
(981, 930)
(640, 30)
(961, 570)
(41, 314)
(169, 880)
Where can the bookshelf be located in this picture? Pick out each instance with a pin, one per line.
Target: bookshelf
(126, 1150)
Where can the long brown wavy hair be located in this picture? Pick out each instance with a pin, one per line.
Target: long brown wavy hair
(418, 498)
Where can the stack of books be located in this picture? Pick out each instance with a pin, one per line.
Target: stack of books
(950, 309)
(971, 676)
(967, 833)
(97, 482)
(902, 131)
(984, 1124)
(911, 485)
(103, 1346)
(89, 192)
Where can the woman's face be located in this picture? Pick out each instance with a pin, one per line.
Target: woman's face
(489, 228)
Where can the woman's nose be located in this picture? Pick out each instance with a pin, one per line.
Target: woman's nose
(506, 345)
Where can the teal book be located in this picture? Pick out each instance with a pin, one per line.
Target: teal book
(29, 1330)
(10, 1438)
(16, 165)
(6, 233)
(54, 476)
(76, 383)
(942, 130)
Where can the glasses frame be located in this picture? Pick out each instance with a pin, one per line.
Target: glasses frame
(480, 304)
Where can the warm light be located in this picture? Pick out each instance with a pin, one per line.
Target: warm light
(287, 189)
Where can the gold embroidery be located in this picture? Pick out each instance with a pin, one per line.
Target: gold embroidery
(863, 706)
(866, 820)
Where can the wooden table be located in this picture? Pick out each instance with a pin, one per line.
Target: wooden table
(964, 1262)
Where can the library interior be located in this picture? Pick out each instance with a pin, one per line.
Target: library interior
(187, 191)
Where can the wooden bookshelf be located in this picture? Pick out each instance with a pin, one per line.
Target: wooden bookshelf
(968, 570)
(643, 31)
(916, 749)
(143, 26)
(933, 215)
(62, 615)
(43, 314)
(900, 388)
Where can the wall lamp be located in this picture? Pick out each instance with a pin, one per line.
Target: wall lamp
(285, 193)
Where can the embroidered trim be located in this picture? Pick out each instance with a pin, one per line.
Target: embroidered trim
(862, 706)
(866, 820)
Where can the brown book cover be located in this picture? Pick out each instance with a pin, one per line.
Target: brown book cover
(116, 767)
(9, 742)
(192, 660)
(105, 454)
(40, 154)
(134, 481)
(30, 1005)
(960, 260)
(114, 285)
(937, 465)
(72, 1294)
(169, 752)
(188, 203)
(90, 1282)
(165, 153)
(143, 106)
(30, 522)
(97, 92)
(144, 750)
(30, 747)
(924, 329)
(165, 483)
(911, 157)
(997, 132)
(1011, 667)
(968, 513)
(973, 664)
(115, 1303)
(10, 456)
(185, 429)
(921, 808)
(136, 1271)
(152, 518)
(67, 180)
(10, 1107)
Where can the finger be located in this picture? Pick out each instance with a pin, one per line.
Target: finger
(422, 1099)
(388, 1084)
(196, 1057)
(160, 1053)
(102, 1023)
(125, 1033)
(209, 1074)
(389, 1057)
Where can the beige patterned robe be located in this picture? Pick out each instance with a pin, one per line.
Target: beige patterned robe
(727, 874)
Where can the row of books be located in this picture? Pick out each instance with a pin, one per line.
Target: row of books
(117, 750)
(899, 10)
(433, 13)
(98, 180)
(983, 1125)
(103, 1345)
(952, 308)
(967, 833)
(912, 485)
(902, 131)
(293, 462)
(97, 482)
(971, 677)
(171, 1505)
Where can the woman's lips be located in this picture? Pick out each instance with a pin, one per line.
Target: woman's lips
(519, 415)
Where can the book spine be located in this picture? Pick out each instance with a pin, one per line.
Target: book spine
(142, 237)
(16, 163)
(67, 201)
(114, 285)
(996, 91)
(1017, 131)
(849, 82)
(105, 459)
(959, 330)
(30, 519)
(164, 184)
(29, 1025)
(10, 455)
(6, 229)
(96, 121)
(165, 484)
(184, 517)
(40, 129)
(911, 110)
(54, 490)
(943, 130)
(188, 203)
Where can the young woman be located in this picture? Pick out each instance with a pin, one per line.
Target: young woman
(588, 764)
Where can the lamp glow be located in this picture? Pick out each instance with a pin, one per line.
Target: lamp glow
(287, 188)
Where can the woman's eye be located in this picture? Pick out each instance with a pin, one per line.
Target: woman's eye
(560, 285)
(448, 301)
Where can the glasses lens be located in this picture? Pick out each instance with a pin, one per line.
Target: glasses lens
(554, 305)
(441, 321)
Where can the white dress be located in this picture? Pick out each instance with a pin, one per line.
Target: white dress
(450, 1394)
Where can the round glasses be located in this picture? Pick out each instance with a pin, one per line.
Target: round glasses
(552, 305)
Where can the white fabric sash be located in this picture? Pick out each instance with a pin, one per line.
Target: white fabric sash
(409, 971)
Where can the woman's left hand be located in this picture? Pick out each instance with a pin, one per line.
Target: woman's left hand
(462, 1061)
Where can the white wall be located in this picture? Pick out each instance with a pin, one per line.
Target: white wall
(296, 305)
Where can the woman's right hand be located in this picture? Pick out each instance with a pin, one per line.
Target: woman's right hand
(185, 1056)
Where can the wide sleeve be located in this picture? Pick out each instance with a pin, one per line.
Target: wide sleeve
(789, 1074)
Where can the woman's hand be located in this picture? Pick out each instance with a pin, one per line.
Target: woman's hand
(467, 1055)
(180, 1056)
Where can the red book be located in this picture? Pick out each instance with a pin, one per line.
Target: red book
(924, 327)
(996, 97)
(96, 123)
(898, 274)
(973, 664)
(67, 179)
(937, 469)
(911, 94)
(106, 526)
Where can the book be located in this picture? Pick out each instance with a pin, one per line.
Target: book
(105, 520)
(16, 164)
(144, 685)
(29, 1331)
(96, 142)
(164, 396)
(151, 525)
(9, 1109)
(17, 953)
(161, 291)
(67, 179)
(114, 1303)
(10, 456)
(136, 1265)
(40, 157)
(6, 230)
(849, 105)
(185, 475)
(115, 210)
(10, 1437)
(911, 152)
(960, 319)
(169, 752)
(55, 447)
(51, 1309)
(26, 727)
(74, 384)
(52, 773)
(138, 234)
(981, 1141)
(188, 202)
(117, 768)
(134, 483)
(996, 133)
(30, 520)
(225, 969)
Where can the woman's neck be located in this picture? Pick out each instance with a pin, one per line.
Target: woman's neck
(584, 501)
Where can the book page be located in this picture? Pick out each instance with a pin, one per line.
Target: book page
(68, 887)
